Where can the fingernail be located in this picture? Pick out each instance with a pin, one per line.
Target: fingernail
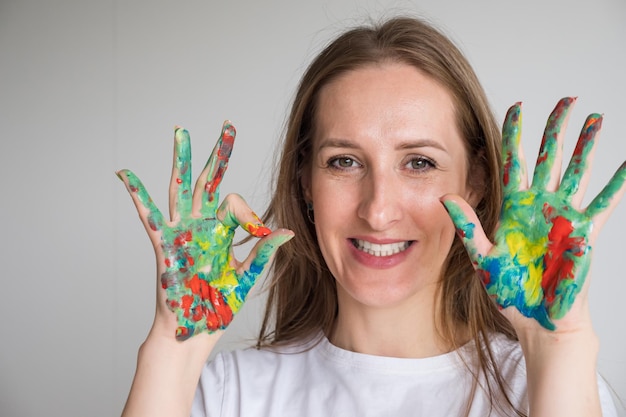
(258, 230)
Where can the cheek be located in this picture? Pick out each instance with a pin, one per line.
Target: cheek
(332, 209)
(431, 216)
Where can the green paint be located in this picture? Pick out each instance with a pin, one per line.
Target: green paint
(205, 286)
(541, 252)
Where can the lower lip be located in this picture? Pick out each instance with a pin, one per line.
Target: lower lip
(379, 262)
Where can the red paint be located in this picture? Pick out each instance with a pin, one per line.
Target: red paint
(542, 158)
(216, 317)
(258, 230)
(182, 332)
(558, 268)
(223, 154)
(182, 238)
(199, 287)
(186, 303)
(222, 310)
(507, 168)
(198, 313)
(592, 125)
(152, 224)
(179, 181)
(484, 276)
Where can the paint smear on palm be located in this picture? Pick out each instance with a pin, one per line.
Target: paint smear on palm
(201, 283)
(540, 258)
(541, 253)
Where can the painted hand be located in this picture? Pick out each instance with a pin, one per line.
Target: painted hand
(543, 243)
(204, 284)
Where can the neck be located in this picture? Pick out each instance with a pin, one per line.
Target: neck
(405, 330)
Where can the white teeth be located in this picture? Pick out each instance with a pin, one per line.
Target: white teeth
(376, 249)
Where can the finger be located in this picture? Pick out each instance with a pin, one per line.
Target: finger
(206, 192)
(548, 168)
(149, 213)
(513, 163)
(577, 174)
(468, 227)
(234, 211)
(258, 259)
(180, 184)
(606, 201)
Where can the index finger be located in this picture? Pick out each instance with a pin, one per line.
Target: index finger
(514, 173)
(206, 193)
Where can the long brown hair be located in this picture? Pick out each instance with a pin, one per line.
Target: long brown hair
(302, 298)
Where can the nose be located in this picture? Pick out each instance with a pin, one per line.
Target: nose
(380, 204)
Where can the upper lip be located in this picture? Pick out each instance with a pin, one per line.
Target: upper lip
(380, 241)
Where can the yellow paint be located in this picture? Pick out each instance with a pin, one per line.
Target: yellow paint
(533, 293)
(526, 251)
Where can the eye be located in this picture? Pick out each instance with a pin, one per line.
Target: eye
(420, 163)
(343, 162)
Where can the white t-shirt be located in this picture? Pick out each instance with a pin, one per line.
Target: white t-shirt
(328, 381)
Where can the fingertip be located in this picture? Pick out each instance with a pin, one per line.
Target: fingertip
(180, 134)
(257, 230)
(514, 112)
(515, 107)
(450, 202)
(125, 176)
(454, 210)
(281, 236)
(289, 234)
(228, 128)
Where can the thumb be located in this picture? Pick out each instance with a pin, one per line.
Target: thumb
(468, 227)
(265, 249)
(257, 260)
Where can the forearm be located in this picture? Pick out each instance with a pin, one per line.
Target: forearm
(561, 372)
(167, 375)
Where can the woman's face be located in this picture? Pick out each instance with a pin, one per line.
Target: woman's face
(386, 149)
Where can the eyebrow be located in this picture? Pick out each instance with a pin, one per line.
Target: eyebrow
(411, 144)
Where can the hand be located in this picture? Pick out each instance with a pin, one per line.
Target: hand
(543, 243)
(204, 284)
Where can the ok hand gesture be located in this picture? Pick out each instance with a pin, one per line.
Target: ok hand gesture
(201, 281)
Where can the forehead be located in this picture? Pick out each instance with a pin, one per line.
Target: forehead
(390, 100)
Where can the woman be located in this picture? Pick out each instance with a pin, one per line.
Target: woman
(376, 308)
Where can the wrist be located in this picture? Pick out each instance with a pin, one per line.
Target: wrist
(161, 341)
(554, 359)
(168, 370)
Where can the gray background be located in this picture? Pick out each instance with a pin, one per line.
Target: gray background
(89, 87)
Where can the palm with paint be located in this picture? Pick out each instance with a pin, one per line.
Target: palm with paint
(204, 284)
(542, 250)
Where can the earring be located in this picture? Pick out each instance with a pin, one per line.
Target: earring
(309, 212)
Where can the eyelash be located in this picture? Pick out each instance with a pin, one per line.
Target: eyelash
(429, 162)
(333, 163)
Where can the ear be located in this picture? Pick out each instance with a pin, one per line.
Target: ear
(305, 183)
(476, 185)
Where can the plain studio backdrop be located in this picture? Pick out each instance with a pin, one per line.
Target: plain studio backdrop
(90, 87)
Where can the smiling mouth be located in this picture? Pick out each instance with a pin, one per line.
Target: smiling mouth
(376, 249)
